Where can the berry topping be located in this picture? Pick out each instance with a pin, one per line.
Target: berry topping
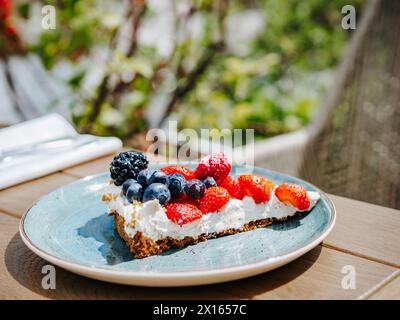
(209, 182)
(176, 183)
(257, 187)
(185, 171)
(127, 184)
(181, 213)
(187, 200)
(127, 165)
(293, 194)
(134, 192)
(233, 186)
(195, 188)
(215, 165)
(157, 176)
(143, 177)
(215, 198)
(157, 191)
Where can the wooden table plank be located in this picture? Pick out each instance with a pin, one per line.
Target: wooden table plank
(316, 275)
(391, 291)
(10, 288)
(367, 230)
(18, 199)
(91, 167)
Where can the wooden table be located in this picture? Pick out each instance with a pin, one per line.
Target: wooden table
(366, 238)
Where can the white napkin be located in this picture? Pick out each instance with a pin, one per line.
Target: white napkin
(14, 170)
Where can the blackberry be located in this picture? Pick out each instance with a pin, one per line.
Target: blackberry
(127, 165)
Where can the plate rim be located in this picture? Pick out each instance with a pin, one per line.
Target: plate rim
(255, 267)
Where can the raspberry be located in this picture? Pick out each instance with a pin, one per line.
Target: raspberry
(257, 187)
(182, 213)
(233, 186)
(185, 171)
(293, 194)
(214, 199)
(215, 165)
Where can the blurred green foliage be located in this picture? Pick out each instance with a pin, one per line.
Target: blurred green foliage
(80, 25)
(279, 84)
(274, 86)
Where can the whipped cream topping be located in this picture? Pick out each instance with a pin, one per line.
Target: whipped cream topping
(150, 219)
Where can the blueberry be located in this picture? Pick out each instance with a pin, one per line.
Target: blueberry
(127, 184)
(176, 183)
(195, 188)
(134, 192)
(157, 176)
(157, 191)
(209, 182)
(175, 176)
(143, 176)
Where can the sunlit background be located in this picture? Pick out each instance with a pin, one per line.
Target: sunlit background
(121, 67)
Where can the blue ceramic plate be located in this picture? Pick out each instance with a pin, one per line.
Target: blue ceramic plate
(70, 228)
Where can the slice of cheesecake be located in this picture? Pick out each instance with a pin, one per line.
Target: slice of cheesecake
(153, 216)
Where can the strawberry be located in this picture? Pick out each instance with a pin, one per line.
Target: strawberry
(185, 171)
(182, 213)
(293, 194)
(257, 187)
(233, 186)
(214, 199)
(215, 165)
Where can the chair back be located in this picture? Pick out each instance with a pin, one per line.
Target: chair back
(354, 149)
